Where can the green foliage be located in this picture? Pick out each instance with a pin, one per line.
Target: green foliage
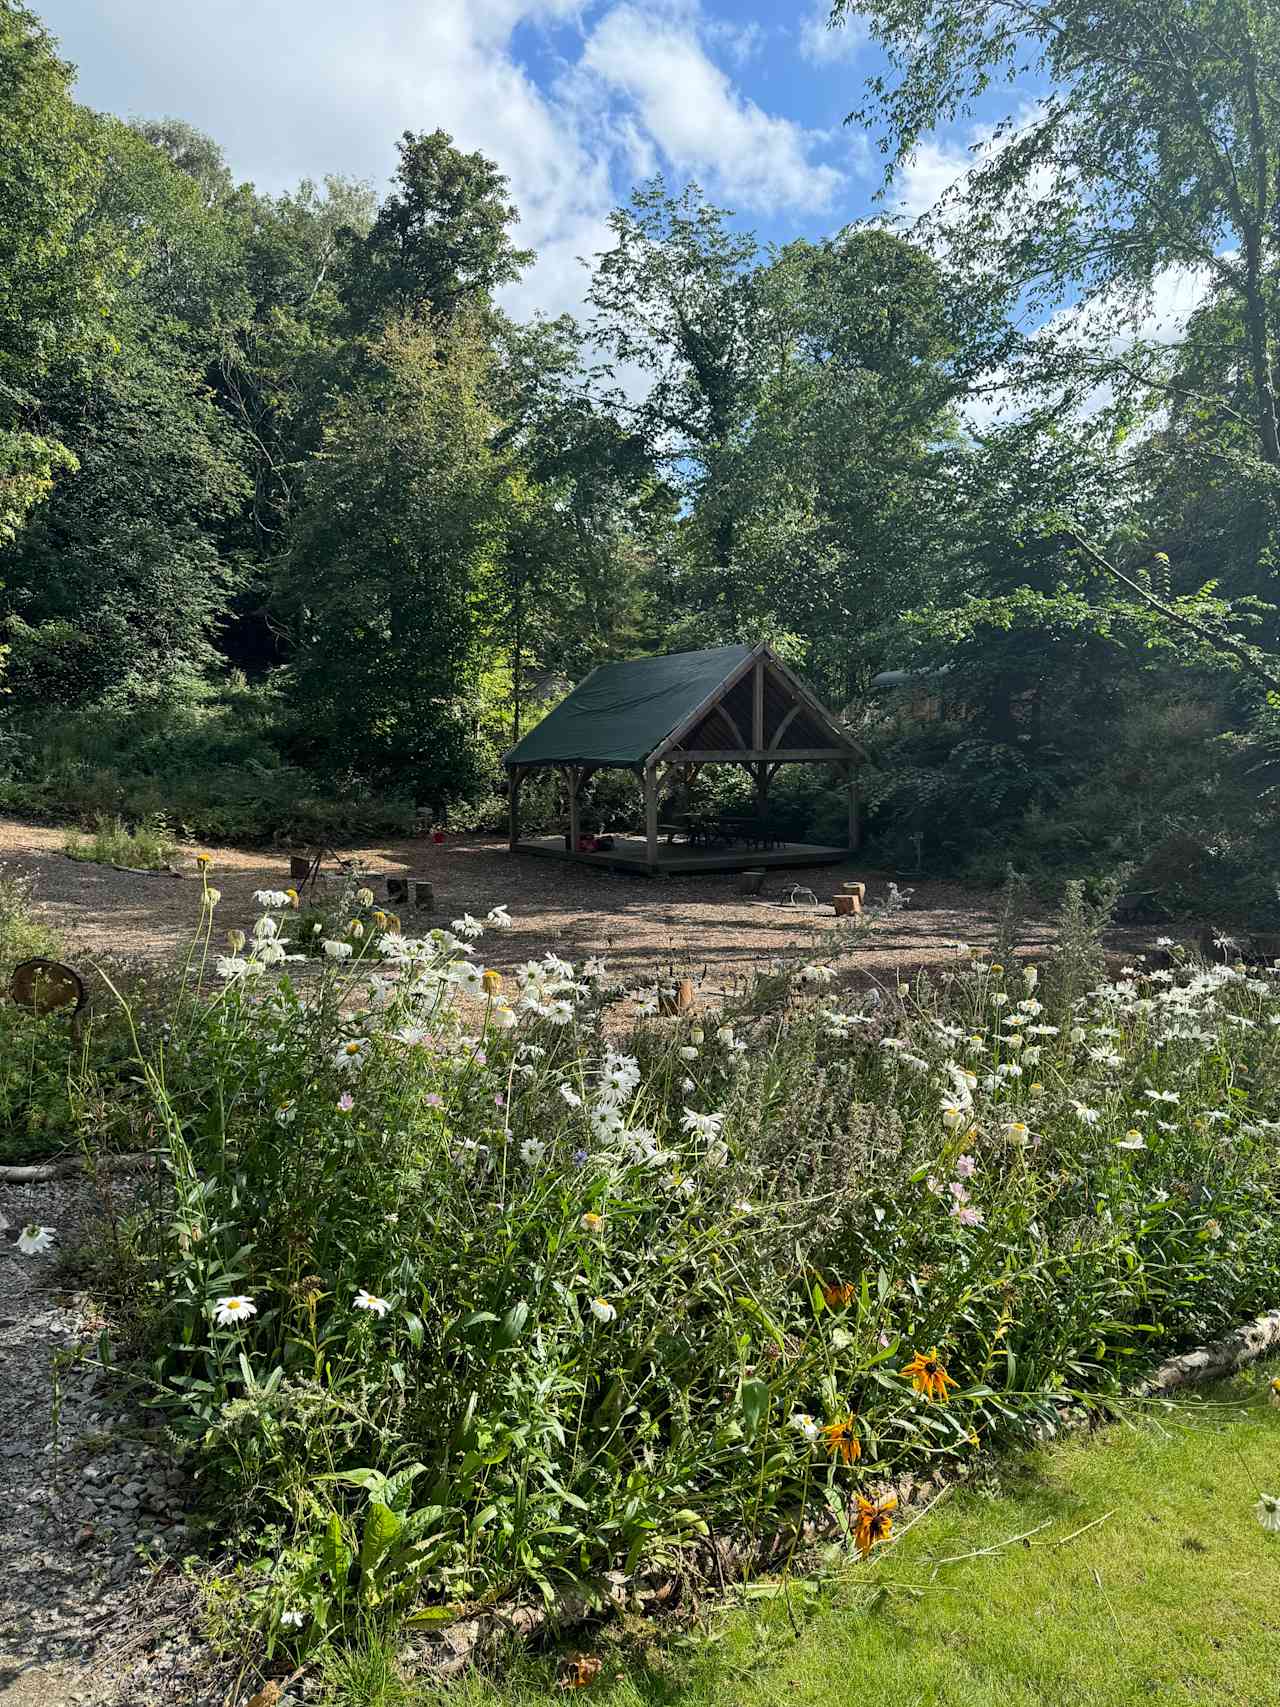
(147, 847)
(56, 268)
(59, 1086)
(1068, 1539)
(523, 1305)
(22, 935)
(388, 633)
(217, 766)
(439, 241)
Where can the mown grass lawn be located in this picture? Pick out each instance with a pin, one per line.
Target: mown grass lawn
(1175, 1597)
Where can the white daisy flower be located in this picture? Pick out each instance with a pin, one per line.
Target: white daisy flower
(1267, 1512)
(370, 1301)
(229, 1311)
(500, 918)
(353, 1055)
(703, 1125)
(603, 1311)
(336, 950)
(32, 1240)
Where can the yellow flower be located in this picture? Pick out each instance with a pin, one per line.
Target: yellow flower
(379, 918)
(393, 923)
(996, 969)
(1037, 1089)
(204, 861)
(1274, 1386)
(590, 1222)
(293, 897)
(355, 929)
(492, 982)
(874, 1522)
(928, 1374)
(840, 1296)
(364, 897)
(842, 1440)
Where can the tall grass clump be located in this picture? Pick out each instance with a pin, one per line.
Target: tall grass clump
(454, 1297)
(146, 847)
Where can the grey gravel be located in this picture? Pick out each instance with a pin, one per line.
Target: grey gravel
(94, 1608)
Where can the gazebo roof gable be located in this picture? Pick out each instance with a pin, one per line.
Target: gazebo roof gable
(625, 712)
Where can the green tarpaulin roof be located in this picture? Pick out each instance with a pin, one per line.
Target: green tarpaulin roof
(622, 711)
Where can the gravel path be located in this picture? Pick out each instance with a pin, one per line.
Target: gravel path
(94, 1611)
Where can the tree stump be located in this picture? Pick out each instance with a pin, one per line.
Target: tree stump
(847, 906)
(749, 881)
(677, 999)
(404, 891)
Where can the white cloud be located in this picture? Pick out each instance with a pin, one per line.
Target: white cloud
(702, 124)
(922, 181)
(307, 87)
(1107, 329)
(822, 45)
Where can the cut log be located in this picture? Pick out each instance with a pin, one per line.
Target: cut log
(423, 893)
(1244, 1345)
(847, 906)
(37, 1171)
(676, 1000)
(749, 881)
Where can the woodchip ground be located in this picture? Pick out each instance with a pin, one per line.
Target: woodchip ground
(644, 927)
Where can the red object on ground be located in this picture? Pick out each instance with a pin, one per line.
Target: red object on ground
(437, 836)
(586, 844)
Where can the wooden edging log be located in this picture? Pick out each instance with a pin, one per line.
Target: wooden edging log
(37, 1171)
(477, 1636)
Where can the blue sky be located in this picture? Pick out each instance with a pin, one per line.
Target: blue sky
(576, 99)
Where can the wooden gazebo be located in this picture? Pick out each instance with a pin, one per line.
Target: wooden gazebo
(731, 705)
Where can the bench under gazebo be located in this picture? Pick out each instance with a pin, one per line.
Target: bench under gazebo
(664, 719)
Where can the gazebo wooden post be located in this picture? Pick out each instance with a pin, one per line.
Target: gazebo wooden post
(651, 815)
(514, 778)
(855, 815)
(571, 773)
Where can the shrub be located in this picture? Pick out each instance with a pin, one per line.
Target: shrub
(475, 1301)
(216, 765)
(146, 848)
(22, 934)
(61, 1084)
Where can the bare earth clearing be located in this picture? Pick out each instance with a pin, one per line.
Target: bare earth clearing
(642, 926)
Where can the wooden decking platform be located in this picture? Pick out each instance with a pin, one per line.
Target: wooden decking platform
(629, 854)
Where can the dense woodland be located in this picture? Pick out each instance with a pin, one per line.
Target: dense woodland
(298, 528)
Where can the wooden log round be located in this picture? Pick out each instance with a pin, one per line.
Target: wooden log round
(45, 986)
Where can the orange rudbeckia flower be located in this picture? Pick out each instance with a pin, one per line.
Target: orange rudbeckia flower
(842, 1440)
(874, 1522)
(840, 1297)
(929, 1374)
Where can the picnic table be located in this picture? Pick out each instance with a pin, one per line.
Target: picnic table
(709, 829)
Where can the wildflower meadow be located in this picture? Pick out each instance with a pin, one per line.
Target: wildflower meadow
(453, 1291)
